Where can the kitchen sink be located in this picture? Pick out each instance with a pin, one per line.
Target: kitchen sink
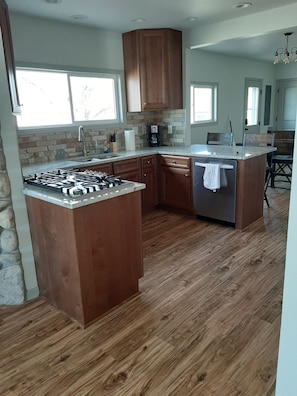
(95, 157)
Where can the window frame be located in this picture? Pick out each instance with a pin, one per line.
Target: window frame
(120, 102)
(214, 99)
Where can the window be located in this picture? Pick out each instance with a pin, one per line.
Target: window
(62, 98)
(252, 106)
(203, 103)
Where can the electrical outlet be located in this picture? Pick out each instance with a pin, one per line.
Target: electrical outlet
(170, 130)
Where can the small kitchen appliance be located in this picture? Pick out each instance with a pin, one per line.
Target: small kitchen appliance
(153, 132)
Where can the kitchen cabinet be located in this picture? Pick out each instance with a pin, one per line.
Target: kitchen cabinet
(88, 259)
(9, 57)
(175, 182)
(106, 168)
(153, 69)
(128, 169)
(140, 170)
(149, 177)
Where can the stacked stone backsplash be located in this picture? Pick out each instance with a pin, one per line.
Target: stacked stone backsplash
(11, 272)
(44, 147)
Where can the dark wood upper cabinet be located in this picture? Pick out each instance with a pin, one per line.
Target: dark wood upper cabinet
(153, 69)
(9, 57)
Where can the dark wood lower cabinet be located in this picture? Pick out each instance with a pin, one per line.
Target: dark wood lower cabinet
(106, 168)
(88, 259)
(141, 170)
(175, 182)
(149, 177)
(128, 169)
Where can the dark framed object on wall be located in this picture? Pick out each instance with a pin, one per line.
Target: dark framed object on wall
(9, 57)
(267, 104)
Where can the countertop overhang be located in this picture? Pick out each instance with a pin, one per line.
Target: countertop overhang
(83, 200)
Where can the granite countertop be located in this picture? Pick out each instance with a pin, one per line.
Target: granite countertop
(195, 150)
(82, 200)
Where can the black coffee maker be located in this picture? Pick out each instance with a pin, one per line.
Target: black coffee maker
(153, 132)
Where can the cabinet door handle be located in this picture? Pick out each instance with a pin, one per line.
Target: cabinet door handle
(144, 174)
(186, 175)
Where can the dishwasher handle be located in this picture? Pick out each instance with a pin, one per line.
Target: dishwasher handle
(222, 166)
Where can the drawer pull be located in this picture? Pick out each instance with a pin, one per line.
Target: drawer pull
(144, 175)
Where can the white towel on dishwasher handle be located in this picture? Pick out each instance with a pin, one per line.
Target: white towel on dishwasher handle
(212, 177)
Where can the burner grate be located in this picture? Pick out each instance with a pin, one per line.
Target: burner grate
(72, 182)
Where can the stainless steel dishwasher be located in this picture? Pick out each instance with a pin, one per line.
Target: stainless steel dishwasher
(219, 204)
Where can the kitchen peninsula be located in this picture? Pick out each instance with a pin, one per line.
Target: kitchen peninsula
(87, 248)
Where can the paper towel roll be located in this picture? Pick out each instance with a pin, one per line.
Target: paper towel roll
(130, 140)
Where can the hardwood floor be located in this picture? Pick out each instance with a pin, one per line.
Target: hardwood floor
(205, 323)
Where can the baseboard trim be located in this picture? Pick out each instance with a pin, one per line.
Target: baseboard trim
(32, 293)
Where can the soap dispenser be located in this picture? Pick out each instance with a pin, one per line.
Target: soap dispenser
(105, 148)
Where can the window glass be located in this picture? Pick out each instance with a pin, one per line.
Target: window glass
(44, 97)
(252, 106)
(203, 103)
(93, 98)
(62, 98)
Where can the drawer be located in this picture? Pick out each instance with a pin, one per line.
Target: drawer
(148, 162)
(106, 168)
(126, 166)
(175, 161)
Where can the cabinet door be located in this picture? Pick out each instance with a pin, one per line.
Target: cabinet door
(176, 187)
(153, 69)
(149, 177)
(127, 169)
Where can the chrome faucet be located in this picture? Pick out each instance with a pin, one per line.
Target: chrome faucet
(81, 138)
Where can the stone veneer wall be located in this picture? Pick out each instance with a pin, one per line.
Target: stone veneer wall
(12, 288)
(43, 147)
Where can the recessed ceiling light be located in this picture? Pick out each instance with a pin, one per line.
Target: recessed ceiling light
(191, 19)
(243, 5)
(79, 17)
(53, 1)
(138, 20)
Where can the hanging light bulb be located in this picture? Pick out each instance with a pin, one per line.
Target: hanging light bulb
(275, 58)
(286, 58)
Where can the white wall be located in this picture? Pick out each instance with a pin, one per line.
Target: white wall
(229, 73)
(286, 383)
(46, 42)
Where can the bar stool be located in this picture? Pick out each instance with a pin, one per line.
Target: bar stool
(220, 138)
(262, 140)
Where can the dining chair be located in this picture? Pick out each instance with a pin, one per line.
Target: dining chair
(282, 159)
(262, 140)
(220, 138)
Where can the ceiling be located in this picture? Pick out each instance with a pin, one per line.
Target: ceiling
(122, 15)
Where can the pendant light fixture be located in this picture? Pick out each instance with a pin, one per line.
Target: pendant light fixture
(283, 54)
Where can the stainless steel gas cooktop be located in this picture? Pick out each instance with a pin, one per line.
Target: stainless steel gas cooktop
(73, 182)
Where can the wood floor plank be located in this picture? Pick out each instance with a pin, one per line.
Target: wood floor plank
(206, 321)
